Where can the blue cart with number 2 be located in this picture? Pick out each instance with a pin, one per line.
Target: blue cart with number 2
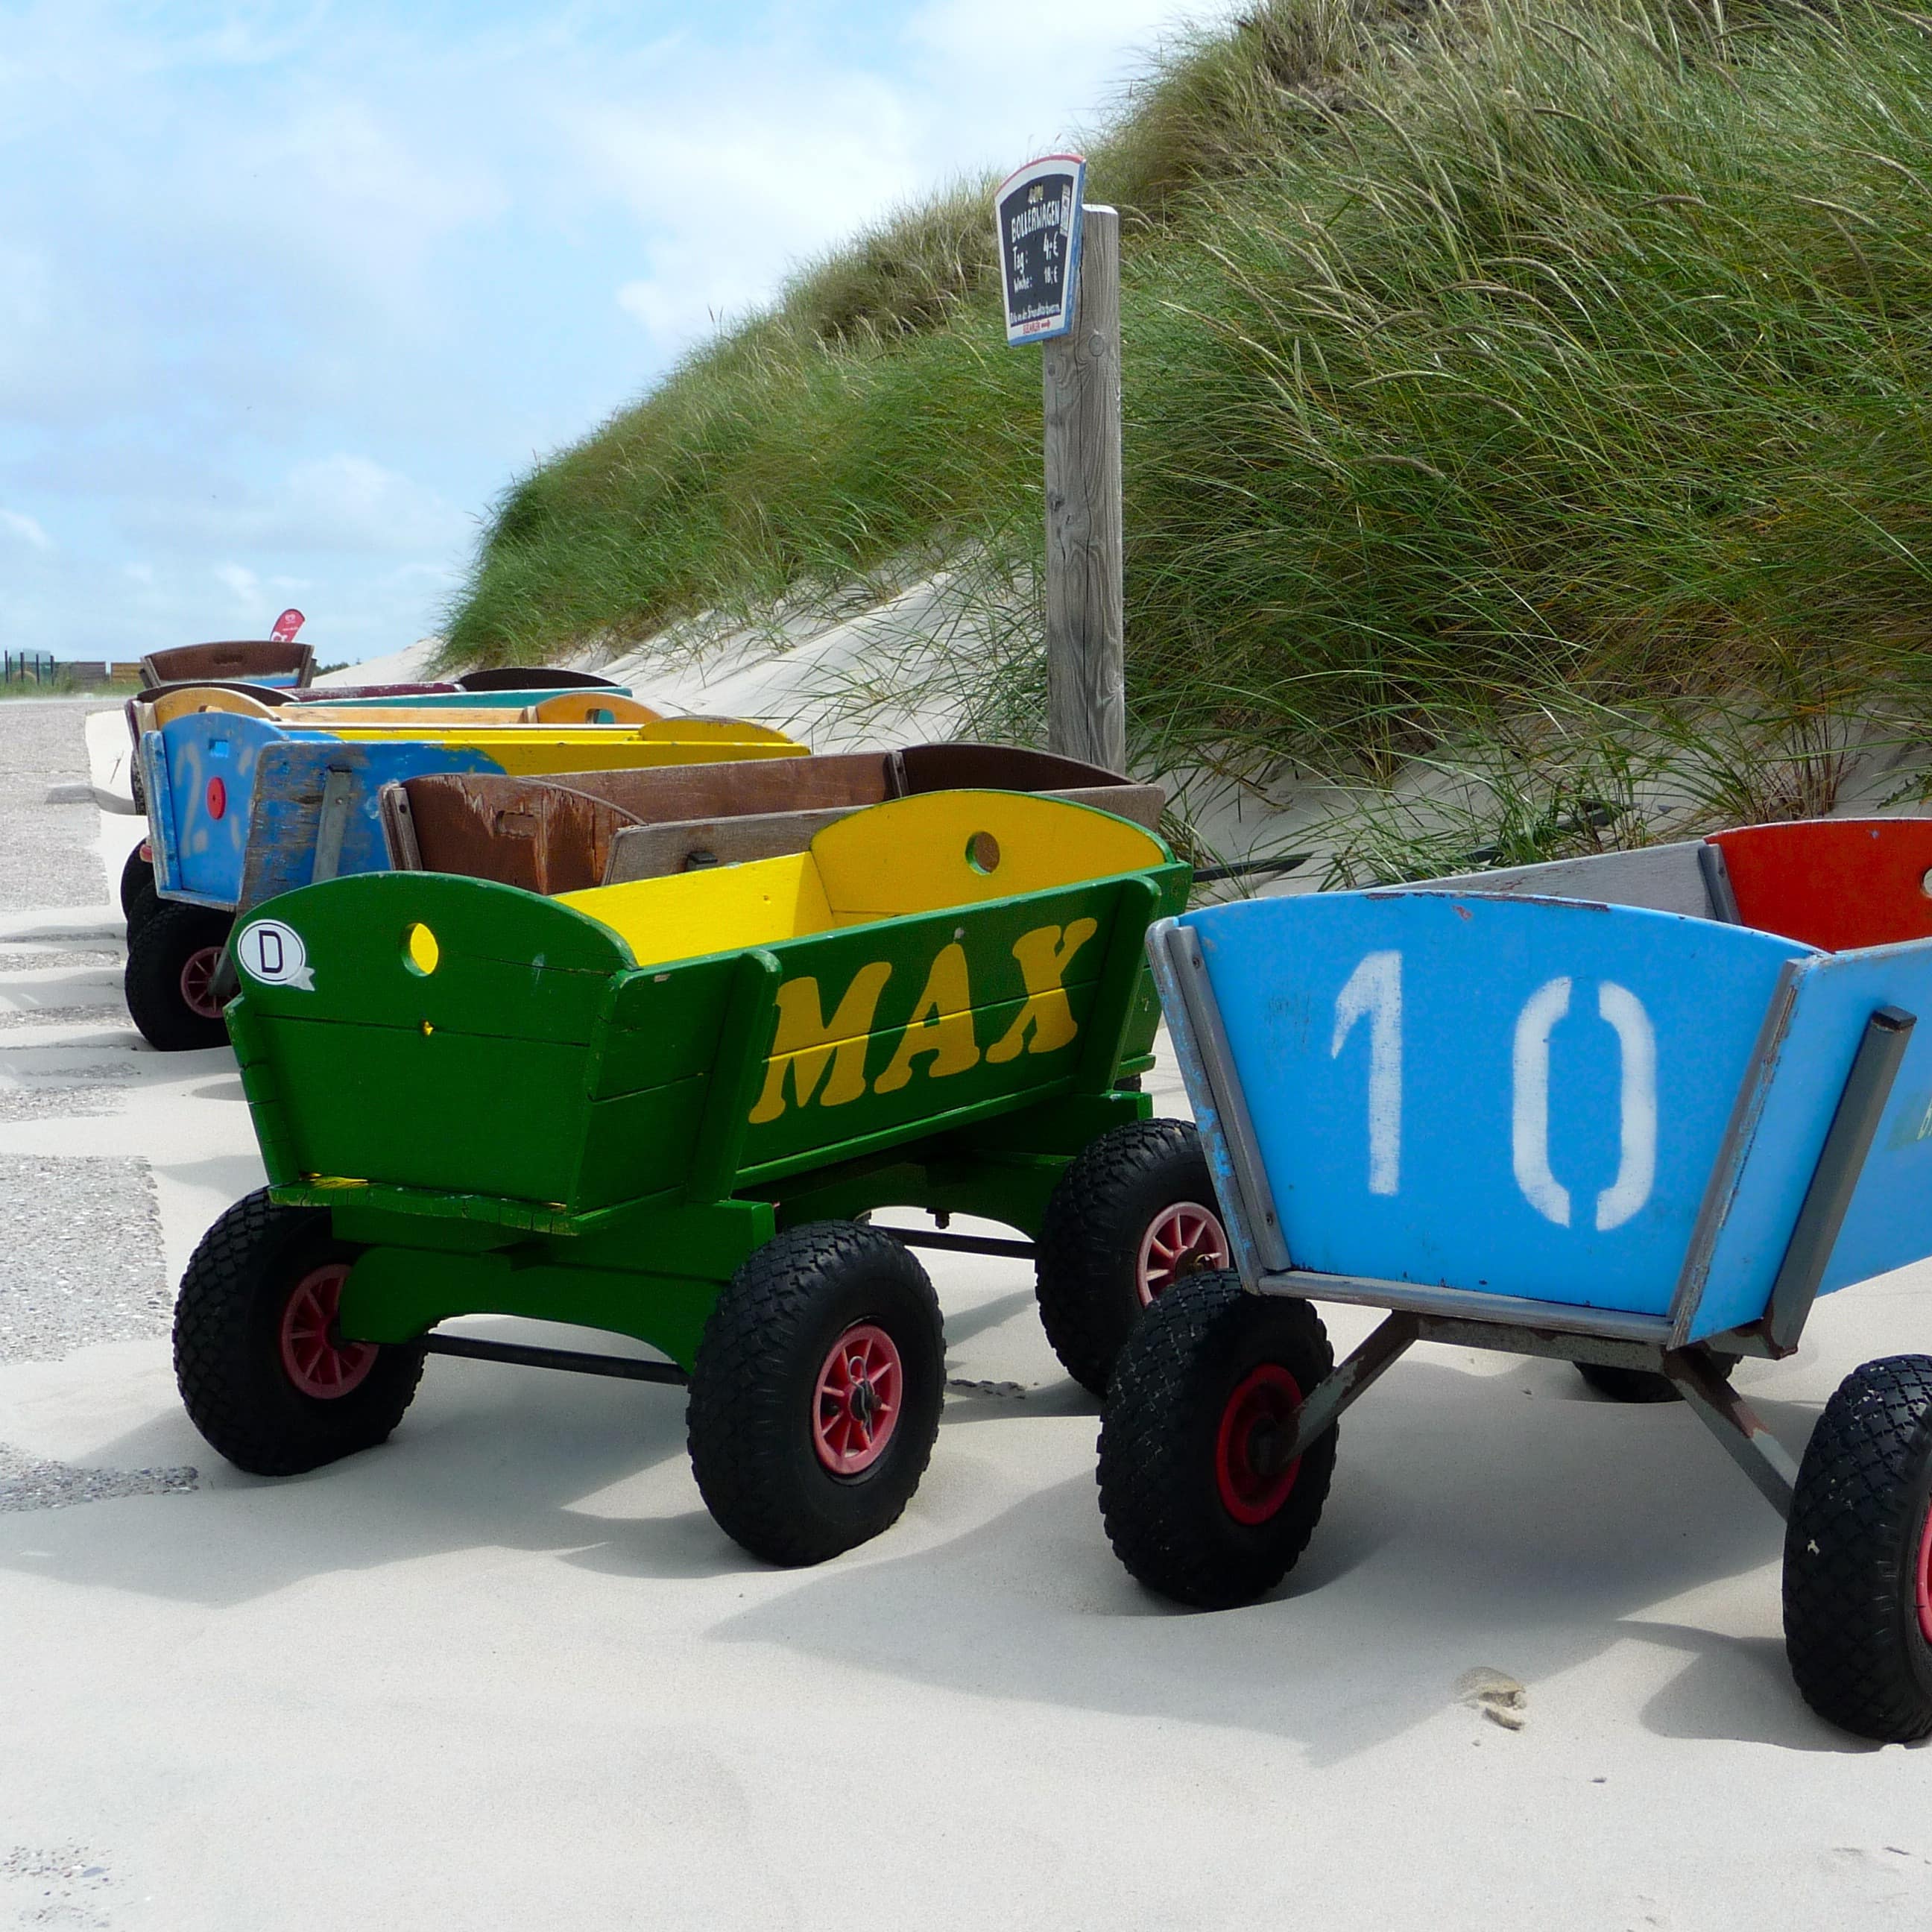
(1597, 1110)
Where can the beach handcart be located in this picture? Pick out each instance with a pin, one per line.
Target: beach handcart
(1641, 1139)
(521, 688)
(240, 807)
(272, 660)
(668, 1109)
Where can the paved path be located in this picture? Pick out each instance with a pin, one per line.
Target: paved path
(505, 1672)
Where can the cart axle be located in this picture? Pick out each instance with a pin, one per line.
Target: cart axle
(628, 1368)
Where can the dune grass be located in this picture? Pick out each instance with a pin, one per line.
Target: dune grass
(1537, 359)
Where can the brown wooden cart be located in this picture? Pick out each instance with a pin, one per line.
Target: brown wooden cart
(571, 831)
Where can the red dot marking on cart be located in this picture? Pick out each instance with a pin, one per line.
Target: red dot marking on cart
(217, 799)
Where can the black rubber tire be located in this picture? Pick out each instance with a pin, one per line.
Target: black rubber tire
(750, 1420)
(1160, 1497)
(157, 949)
(137, 874)
(1086, 1258)
(228, 1362)
(1617, 1384)
(146, 902)
(1853, 1630)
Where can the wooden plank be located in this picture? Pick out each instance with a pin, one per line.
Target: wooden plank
(1665, 878)
(690, 845)
(539, 834)
(1086, 701)
(656, 851)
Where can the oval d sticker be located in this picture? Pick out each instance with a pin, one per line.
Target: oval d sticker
(273, 953)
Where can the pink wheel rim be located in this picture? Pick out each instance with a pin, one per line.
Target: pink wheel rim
(1259, 1414)
(197, 983)
(856, 1402)
(1925, 1579)
(1182, 1240)
(314, 1357)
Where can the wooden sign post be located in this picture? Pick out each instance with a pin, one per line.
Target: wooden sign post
(1060, 273)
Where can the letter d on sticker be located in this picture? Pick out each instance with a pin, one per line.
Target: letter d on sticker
(274, 953)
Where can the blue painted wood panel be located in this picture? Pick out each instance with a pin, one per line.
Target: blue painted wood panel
(287, 809)
(203, 854)
(1526, 1097)
(1890, 1220)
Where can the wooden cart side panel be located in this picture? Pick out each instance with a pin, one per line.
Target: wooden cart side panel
(541, 677)
(1838, 883)
(496, 1116)
(686, 845)
(1665, 878)
(533, 832)
(975, 767)
(259, 661)
(211, 759)
(284, 805)
(1523, 1098)
(590, 707)
(471, 1077)
(880, 1031)
(932, 850)
(190, 699)
(504, 961)
(445, 698)
(1889, 1222)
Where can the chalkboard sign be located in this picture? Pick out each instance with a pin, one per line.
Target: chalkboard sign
(1037, 214)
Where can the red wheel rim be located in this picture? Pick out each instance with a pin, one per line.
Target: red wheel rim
(1260, 1413)
(197, 983)
(1181, 1239)
(217, 799)
(856, 1404)
(314, 1358)
(1925, 1579)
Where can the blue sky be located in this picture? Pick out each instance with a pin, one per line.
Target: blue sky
(289, 294)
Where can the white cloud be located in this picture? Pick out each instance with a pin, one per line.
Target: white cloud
(352, 503)
(27, 528)
(242, 582)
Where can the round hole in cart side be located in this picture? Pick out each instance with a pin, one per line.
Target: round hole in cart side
(1925, 882)
(420, 952)
(982, 852)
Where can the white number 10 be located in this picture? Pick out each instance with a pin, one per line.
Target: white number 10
(1375, 988)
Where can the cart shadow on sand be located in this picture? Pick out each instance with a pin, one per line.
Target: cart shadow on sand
(1463, 1529)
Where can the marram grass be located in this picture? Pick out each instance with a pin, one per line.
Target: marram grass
(1477, 360)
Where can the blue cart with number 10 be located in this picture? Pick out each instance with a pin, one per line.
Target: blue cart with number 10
(1637, 1111)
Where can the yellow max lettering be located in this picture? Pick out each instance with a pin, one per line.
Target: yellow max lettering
(806, 1041)
(1044, 956)
(941, 1025)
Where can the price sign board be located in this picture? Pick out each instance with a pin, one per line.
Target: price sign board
(1037, 211)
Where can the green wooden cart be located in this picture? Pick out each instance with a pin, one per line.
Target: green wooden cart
(668, 1109)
